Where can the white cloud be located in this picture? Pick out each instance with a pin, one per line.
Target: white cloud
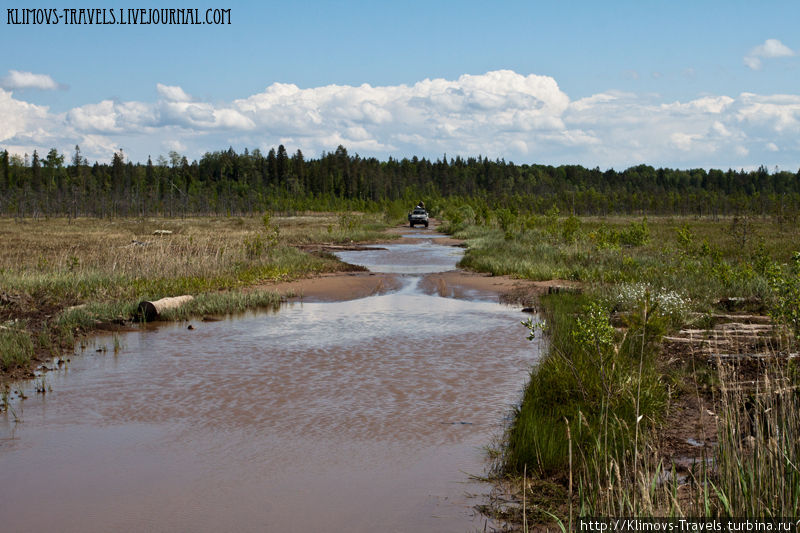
(18, 118)
(720, 129)
(525, 118)
(109, 116)
(771, 48)
(172, 93)
(17, 79)
(777, 113)
(175, 145)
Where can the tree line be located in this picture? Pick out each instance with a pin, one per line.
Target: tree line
(226, 182)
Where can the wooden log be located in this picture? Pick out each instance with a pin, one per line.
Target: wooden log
(686, 340)
(745, 319)
(735, 356)
(152, 310)
(731, 334)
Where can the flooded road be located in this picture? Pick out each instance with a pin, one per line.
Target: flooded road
(365, 415)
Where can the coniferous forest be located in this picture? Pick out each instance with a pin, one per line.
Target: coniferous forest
(226, 182)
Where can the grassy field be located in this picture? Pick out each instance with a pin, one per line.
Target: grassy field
(590, 430)
(59, 277)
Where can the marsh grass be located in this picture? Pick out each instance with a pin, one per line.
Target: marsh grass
(757, 461)
(16, 347)
(101, 260)
(702, 257)
(591, 415)
(603, 384)
(752, 472)
(63, 276)
(223, 304)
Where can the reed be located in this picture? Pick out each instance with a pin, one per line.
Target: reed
(615, 385)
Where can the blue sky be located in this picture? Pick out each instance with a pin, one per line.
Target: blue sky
(609, 84)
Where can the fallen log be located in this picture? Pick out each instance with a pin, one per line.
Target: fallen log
(692, 340)
(763, 355)
(745, 319)
(150, 311)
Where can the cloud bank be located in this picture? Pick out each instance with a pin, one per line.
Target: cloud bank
(504, 114)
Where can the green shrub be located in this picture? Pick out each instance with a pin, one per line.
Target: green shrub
(636, 234)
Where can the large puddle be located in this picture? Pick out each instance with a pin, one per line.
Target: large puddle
(365, 415)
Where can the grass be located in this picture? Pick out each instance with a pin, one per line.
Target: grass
(61, 276)
(758, 456)
(100, 260)
(592, 416)
(598, 392)
(224, 303)
(16, 348)
(704, 258)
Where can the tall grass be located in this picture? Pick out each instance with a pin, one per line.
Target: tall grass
(602, 384)
(757, 470)
(592, 413)
(16, 348)
(101, 260)
(703, 258)
(61, 275)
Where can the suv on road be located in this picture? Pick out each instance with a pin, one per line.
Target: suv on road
(418, 216)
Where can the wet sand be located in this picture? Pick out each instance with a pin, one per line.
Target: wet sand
(455, 283)
(337, 287)
(343, 286)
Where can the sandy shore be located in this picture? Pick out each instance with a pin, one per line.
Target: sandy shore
(454, 284)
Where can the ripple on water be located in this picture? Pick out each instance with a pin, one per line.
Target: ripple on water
(349, 415)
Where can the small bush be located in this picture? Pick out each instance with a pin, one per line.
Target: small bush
(636, 234)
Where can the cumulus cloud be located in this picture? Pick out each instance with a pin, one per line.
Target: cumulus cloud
(109, 116)
(18, 118)
(525, 118)
(441, 111)
(779, 113)
(771, 48)
(172, 93)
(17, 79)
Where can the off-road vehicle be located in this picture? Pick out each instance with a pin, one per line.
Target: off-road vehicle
(418, 216)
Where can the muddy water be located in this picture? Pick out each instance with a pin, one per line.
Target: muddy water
(366, 415)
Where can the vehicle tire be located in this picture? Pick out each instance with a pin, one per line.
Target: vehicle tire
(426, 224)
(411, 224)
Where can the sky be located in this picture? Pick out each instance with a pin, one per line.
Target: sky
(682, 84)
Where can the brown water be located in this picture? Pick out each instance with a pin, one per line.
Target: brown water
(366, 415)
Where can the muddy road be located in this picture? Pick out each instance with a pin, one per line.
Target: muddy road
(366, 414)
